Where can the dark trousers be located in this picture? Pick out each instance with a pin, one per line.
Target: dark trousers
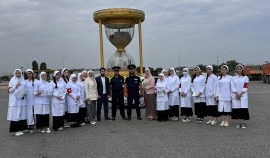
(200, 109)
(74, 117)
(162, 115)
(58, 121)
(16, 126)
(174, 111)
(82, 115)
(103, 100)
(42, 121)
(118, 99)
(136, 98)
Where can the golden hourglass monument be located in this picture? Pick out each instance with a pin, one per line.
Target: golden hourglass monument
(119, 28)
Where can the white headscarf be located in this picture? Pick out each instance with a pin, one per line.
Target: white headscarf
(210, 66)
(63, 70)
(79, 77)
(161, 74)
(174, 74)
(239, 65)
(30, 70)
(55, 73)
(225, 67)
(17, 79)
(42, 73)
(186, 69)
(88, 74)
(71, 77)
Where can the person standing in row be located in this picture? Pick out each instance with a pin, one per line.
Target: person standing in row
(224, 96)
(211, 84)
(30, 99)
(42, 91)
(240, 97)
(117, 87)
(103, 88)
(185, 96)
(91, 97)
(73, 100)
(162, 98)
(82, 111)
(17, 104)
(150, 96)
(58, 87)
(173, 86)
(198, 87)
(165, 73)
(133, 91)
(65, 78)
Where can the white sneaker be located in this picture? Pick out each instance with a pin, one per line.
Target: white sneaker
(226, 124)
(32, 131)
(19, 133)
(244, 126)
(213, 123)
(239, 125)
(222, 124)
(82, 124)
(48, 130)
(93, 122)
(42, 131)
(66, 125)
(209, 122)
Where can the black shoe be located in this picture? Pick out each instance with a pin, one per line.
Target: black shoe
(113, 118)
(108, 118)
(129, 118)
(73, 126)
(78, 125)
(139, 118)
(98, 119)
(124, 118)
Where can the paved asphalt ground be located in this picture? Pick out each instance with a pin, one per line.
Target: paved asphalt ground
(147, 139)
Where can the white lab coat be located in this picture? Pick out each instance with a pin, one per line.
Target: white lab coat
(82, 93)
(73, 105)
(224, 94)
(58, 105)
(41, 106)
(240, 84)
(30, 101)
(198, 86)
(162, 96)
(185, 87)
(173, 85)
(210, 90)
(17, 101)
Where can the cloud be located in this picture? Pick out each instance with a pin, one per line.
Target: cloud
(201, 29)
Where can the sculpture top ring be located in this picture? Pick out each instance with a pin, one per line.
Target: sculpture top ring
(119, 16)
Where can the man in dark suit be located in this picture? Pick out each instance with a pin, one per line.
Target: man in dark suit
(103, 87)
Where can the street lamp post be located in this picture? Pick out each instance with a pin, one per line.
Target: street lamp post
(63, 62)
(179, 59)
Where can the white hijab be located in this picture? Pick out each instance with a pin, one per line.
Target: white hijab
(79, 77)
(42, 73)
(21, 79)
(71, 77)
(186, 75)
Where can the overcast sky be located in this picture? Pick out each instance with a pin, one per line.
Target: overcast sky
(203, 30)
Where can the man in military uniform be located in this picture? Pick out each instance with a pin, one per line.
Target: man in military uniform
(117, 87)
(133, 88)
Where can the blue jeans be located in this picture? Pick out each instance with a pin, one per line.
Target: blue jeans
(103, 100)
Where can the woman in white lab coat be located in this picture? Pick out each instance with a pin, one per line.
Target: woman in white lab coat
(17, 103)
(58, 87)
(223, 96)
(240, 97)
(162, 98)
(165, 73)
(42, 91)
(198, 87)
(173, 86)
(65, 78)
(82, 111)
(73, 100)
(211, 84)
(185, 95)
(30, 99)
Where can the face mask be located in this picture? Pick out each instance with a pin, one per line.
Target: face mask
(185, 73)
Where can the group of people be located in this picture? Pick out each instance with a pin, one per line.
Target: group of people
(78, 99)
(213, 96)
